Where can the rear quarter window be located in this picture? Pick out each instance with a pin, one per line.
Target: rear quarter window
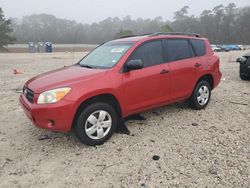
(199, 46)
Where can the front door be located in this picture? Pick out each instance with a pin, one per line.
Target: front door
(148, 86)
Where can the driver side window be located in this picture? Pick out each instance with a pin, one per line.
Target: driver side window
(151, 53)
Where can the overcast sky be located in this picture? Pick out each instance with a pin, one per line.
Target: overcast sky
(88, 11)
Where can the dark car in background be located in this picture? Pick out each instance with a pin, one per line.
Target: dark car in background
(244, 66)
(227, 47)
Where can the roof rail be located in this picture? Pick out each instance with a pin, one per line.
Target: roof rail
(128, 36)
(175, 33)
(145, 34)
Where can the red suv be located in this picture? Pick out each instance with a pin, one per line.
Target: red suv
(121, 78)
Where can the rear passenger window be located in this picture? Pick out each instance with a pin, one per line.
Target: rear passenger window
(178, 49)
(151, 53)
(199, 46)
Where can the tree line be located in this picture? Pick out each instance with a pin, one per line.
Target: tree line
(222, 24)
(5, 29)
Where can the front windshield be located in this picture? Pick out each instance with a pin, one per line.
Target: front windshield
(106, 55)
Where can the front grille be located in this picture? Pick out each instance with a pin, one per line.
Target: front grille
(29, 94)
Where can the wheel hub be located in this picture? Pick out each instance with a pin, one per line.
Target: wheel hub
(203, 95)
(98, 124)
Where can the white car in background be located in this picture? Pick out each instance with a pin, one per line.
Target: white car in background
(242, 47)
(215, 48)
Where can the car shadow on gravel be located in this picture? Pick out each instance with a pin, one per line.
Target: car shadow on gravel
(122, 128)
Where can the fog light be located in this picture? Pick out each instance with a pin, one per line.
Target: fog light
(51, 123)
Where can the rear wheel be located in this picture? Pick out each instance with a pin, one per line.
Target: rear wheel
(201, 95)
(96, 123)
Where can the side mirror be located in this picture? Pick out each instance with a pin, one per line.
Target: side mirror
(134, 65)
(241, 60)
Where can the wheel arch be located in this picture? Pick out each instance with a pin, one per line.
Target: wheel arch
(207, 77)
(106, 97)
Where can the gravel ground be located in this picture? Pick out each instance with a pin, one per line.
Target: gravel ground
(174, 146)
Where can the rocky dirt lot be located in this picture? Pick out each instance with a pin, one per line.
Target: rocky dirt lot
(208, 148)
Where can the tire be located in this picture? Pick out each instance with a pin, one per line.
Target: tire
(201, 95)
(243, 77)
(96, 123)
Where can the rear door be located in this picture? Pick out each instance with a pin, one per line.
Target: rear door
(183, 65)
(150, 85)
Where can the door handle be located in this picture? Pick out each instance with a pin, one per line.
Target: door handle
(164, 71)
(197, 65)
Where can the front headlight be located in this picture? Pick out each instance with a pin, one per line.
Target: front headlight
(53, 96)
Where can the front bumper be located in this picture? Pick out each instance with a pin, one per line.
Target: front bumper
(55, 117)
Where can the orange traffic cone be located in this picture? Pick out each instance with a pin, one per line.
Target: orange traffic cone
(16, 71)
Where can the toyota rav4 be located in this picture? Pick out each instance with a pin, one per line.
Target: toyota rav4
(120, 78)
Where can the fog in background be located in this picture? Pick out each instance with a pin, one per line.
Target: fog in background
(89, 11)
(96, 21)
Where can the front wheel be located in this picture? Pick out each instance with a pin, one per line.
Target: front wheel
(201, 95)
(96, 123)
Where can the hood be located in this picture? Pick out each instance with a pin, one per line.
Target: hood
(62, 77)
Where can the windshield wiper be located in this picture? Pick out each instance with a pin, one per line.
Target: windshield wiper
(86, 66)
